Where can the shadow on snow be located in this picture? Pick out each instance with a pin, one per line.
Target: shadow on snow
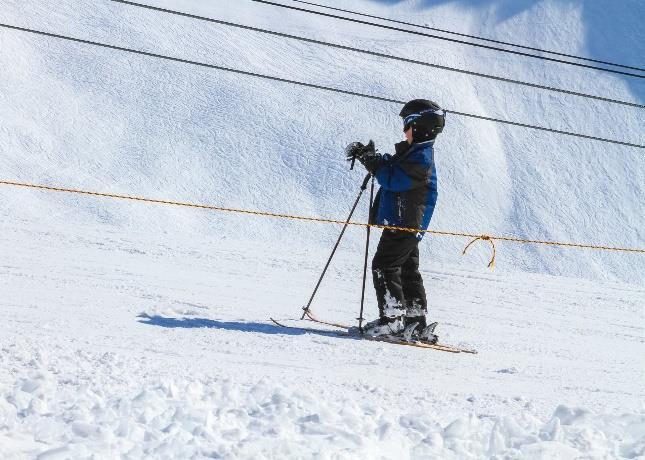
(262, 328)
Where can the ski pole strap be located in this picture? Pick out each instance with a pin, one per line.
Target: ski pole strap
(491, 264)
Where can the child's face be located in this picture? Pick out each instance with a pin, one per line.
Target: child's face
(408, 135)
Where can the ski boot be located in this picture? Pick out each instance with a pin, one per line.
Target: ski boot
(390, 323)
(415, 333)
(427, 335)
(416, 327)
(384, 327)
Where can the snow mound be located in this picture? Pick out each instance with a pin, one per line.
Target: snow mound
(49, 417)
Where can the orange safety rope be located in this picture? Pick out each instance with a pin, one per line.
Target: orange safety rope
(474, 237)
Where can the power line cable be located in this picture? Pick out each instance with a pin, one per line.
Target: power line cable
(490, 40)
(439, 37)
(311, 85)
(377, 54)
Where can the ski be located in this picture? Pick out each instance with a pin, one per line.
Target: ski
(437, 346)
(315, 319)
(344, 332)
(339, 333)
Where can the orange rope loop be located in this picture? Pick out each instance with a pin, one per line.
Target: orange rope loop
(491, 264)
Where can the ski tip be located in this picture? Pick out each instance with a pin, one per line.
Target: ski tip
(276, 322)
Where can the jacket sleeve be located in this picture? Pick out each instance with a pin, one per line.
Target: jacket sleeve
(401, 176)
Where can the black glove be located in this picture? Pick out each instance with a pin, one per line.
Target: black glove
(366, 154)
(355, 151)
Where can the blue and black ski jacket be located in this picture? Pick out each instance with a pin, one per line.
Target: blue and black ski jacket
(408, 192)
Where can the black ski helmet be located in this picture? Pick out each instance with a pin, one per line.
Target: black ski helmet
(426, 117)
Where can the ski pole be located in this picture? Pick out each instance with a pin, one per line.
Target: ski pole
(367, 250)
(322, 275)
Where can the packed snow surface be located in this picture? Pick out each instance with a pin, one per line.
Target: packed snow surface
(139, 330)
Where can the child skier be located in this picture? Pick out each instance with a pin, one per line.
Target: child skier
(406, 198)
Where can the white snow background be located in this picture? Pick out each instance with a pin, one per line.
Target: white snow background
(133, 330)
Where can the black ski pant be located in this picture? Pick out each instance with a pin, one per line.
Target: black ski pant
(395, 270)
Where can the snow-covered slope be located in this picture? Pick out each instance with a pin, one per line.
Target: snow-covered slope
(87, 117)
(142, 346)
(142, 330)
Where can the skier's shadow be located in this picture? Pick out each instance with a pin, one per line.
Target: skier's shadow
(197, 323)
